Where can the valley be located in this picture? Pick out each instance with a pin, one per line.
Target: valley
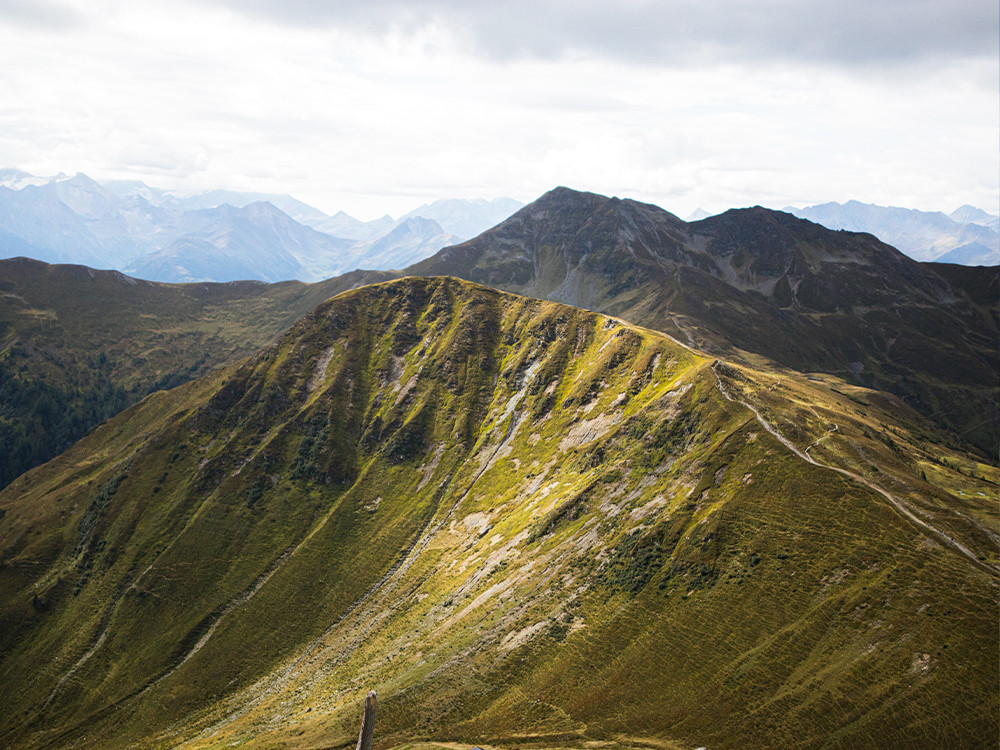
(79, 345)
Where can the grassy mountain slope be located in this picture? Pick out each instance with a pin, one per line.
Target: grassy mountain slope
(521, 523)
(78, 345)
(764, 282)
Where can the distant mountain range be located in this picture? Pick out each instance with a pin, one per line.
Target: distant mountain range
(219, 235)
(968, 236)
(466, 218)
(225, 235)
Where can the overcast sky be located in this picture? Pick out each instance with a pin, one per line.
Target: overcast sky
(378, 106)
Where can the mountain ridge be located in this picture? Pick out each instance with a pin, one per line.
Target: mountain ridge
(758, 281)
(660, 276)
(513, 518)
(77, 345)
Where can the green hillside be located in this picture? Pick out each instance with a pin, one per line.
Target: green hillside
(523, 524)
(78, 345)
(754, 282)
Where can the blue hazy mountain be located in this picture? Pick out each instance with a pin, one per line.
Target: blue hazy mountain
(220, 235)
(965, 236)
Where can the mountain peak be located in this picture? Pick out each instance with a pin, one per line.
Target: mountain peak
(262, 209)
(968, 214)
(465, 217)
(563, 197)
(726, 280)
(563, 194)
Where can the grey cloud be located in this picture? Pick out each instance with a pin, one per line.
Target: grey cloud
(848, 32)
(38, 13)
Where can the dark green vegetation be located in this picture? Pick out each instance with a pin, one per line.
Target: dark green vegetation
(77, 345)
(760, 282)
(521, 523)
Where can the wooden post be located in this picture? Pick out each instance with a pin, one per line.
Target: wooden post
(368, 723)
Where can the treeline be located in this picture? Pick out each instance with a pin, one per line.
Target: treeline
(39, 420)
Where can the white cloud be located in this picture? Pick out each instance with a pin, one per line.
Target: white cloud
(383, 110)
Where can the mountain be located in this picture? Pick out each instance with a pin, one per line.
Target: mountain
(13, 246)
(343, 225)
(760, 282)
(296, 209)
(78, 345)
(154, 335)
(38, 217)
(157, 236)
(923, 235)
(971, 215)
(521, 523)
(261, 242)
(18, 178)
(973, 254)
(257, 241)
(464, 217)
(220, 235)
(410, 241)
(461, 218)
(77, 220)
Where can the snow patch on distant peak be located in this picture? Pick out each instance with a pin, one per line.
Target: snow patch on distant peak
(15, 179)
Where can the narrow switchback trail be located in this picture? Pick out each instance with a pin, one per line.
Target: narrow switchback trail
(902, 507)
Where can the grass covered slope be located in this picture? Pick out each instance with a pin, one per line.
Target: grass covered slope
(764, 282)
(519, 522)
(78, 345)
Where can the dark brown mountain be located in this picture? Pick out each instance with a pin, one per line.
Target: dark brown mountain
(761, 282)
